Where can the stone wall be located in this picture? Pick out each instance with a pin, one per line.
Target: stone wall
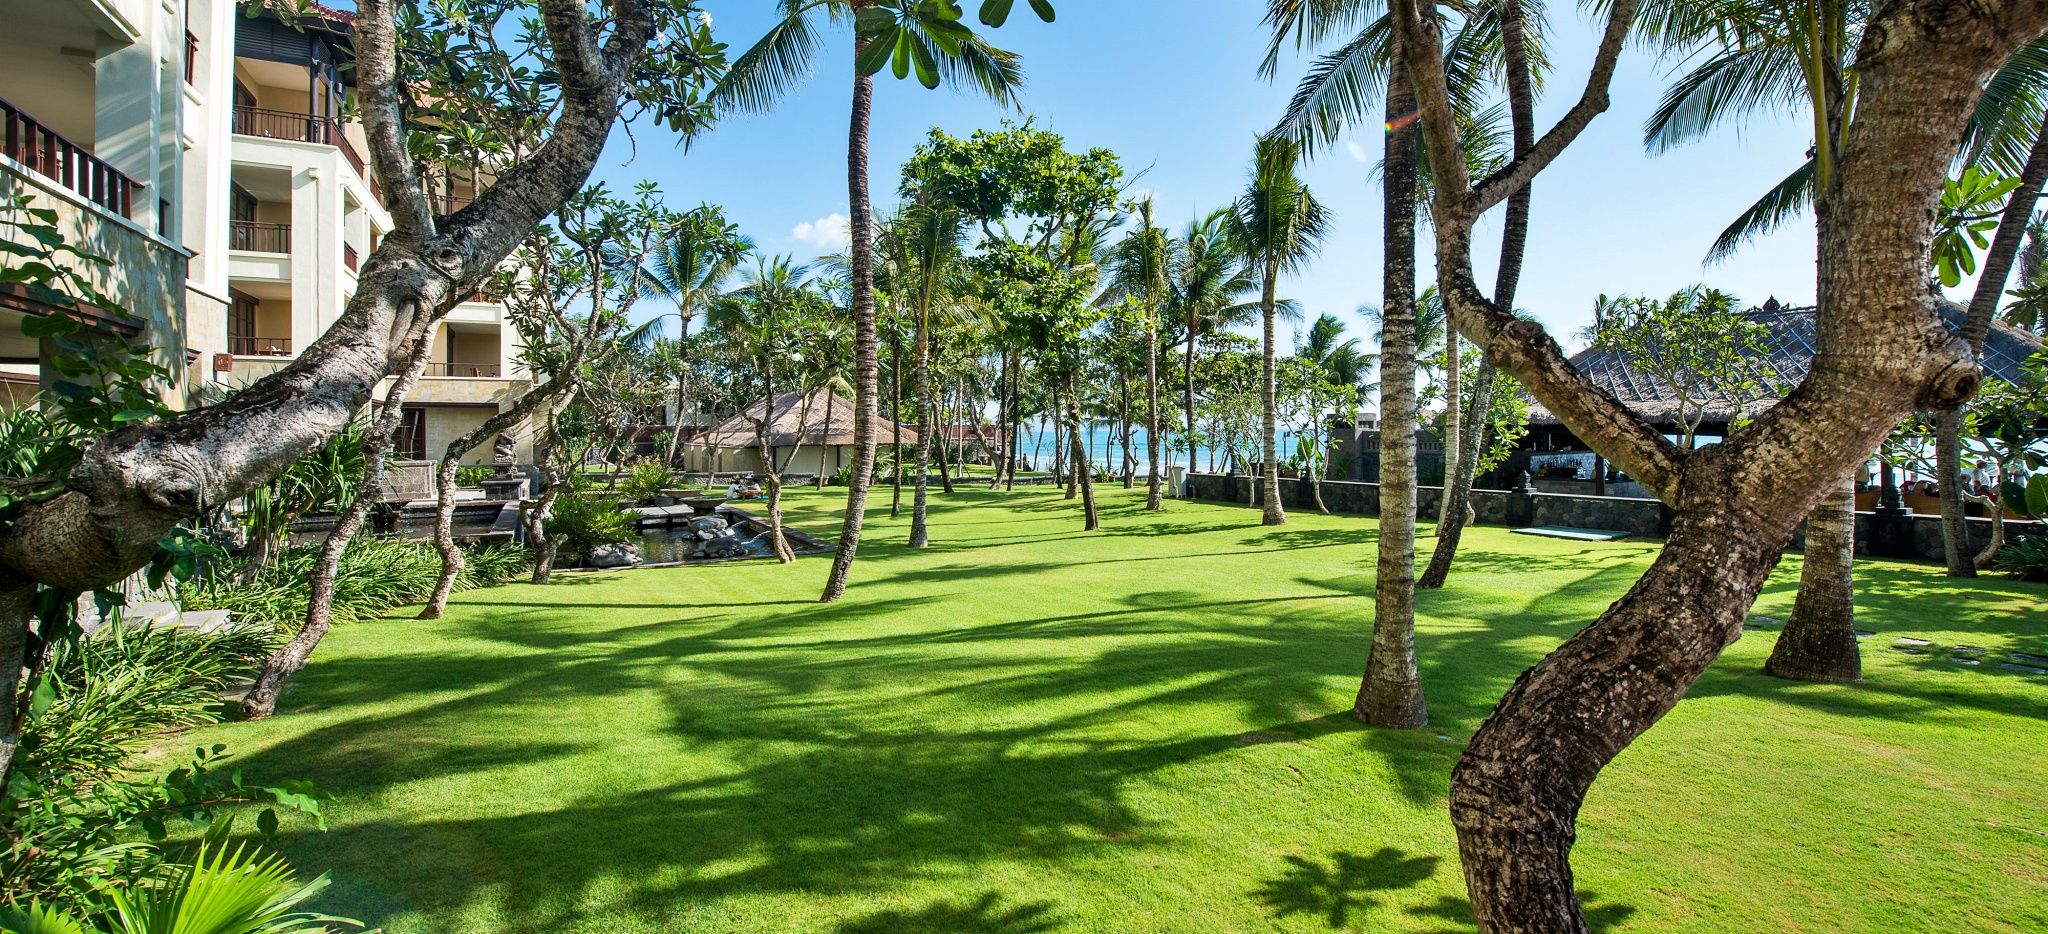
(1908, 536)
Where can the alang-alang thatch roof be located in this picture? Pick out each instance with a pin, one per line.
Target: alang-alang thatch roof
(1788, 353)
(799, 417)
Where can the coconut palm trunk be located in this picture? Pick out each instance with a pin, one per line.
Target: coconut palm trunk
(1819, 641)
(1187, 389)
(1390, 694)
(1153, 501)
(1454, 397)
(1090, 521)
(1269, 404)
(866, 352)
(896, 418)
(920, 533)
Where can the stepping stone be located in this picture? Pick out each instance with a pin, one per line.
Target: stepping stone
(1760, 622)
(1967, 651)
(1909, 650)
(1577, 535)
(2024, 669)
(1910, 641)
(1862, 634)
(1966, 661)
(2028, 659)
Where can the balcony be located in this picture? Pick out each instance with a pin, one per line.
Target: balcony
(348, 256)
(50, 155)
(304, 128)
(467, 370)
(259, 238)
(260, 346)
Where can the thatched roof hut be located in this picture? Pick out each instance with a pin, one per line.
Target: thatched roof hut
(1788, 352)
(817, 417)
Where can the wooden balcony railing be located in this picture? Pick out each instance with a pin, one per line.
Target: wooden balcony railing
(482, 370)
(348, 257)
(306, 128)
(260, 346)
(49, 154)
(259, 238)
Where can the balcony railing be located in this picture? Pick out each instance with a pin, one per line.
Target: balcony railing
(482, 370)
(49, 154)
(348, 257)
(259, 238)
(260, 346)
(191, 57)
(306, 128)
(449, 204)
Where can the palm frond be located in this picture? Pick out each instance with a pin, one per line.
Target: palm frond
(768, 72)
(1783, 202)
(1729, 83)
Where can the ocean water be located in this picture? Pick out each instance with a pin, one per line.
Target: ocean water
(1104, 449)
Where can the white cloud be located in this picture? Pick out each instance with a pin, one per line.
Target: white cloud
(1357, 152)
(832, 232)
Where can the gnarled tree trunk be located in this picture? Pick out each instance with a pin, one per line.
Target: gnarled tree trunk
(1882, 353)
(261, 700)
(444, 482)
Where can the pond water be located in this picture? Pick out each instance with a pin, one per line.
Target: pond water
(667, 544)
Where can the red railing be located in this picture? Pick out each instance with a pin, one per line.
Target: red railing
(260, 346)
(348, 257)
(306, 128)
(259, 238)
(484, 370)
(49, 154)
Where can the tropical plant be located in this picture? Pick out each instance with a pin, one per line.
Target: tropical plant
(924, 36)
(1277, 225)
(2026, 559)
(645, 480)
(217, 889)
(584, 519)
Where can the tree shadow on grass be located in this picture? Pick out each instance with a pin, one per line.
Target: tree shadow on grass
(1347, 882)
(983, 915)
(1457, 912)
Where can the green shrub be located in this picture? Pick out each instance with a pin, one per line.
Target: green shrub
(2026, 559)
(491, 565)
(473, 474)
(376, 575)
(646, 480)
(81, 829)
(584, 519)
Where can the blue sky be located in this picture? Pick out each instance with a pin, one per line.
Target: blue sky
(1170, 85)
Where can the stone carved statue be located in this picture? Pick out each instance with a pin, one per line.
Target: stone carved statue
(504, 454)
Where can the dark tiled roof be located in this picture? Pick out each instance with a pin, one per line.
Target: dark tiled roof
(1788, 352)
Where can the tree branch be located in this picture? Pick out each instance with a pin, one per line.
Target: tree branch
(1592, 102)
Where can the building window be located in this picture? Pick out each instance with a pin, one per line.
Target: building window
(241, 204)
(411, 441)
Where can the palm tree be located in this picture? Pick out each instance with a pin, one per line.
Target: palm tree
(1141, 266)
(927, 38)
(1209, 291)
(1277, 225)
(690, 271)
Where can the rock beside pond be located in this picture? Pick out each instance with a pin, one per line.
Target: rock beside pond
(619, 555)
(709, 524)
(722, 546)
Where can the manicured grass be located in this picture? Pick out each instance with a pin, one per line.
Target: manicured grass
(1026, 728)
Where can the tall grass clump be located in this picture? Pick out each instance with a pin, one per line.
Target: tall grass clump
(376, 575)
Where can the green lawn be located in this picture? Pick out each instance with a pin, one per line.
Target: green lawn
(1026, 728)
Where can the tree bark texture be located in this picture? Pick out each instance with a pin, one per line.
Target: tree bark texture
(1882, 353)
(866, 350)
(17, 605)
(1948, 426)
(1390, 695)
(1819, 640)
(1275, 513)
(920, 533)
(134, 485)
(290, 658)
